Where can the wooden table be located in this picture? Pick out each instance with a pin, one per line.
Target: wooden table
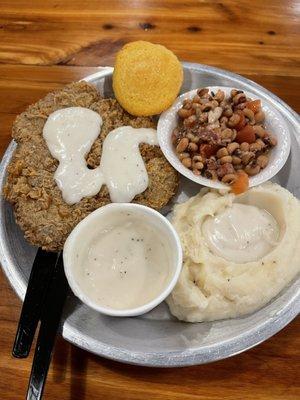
(46, 44)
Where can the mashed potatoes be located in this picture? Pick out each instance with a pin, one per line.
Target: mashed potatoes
(214, 286)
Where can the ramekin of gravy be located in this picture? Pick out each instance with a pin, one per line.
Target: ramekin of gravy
(123, 259)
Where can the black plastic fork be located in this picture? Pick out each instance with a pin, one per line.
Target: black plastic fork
(41, 273)
(50, 321)
(44, 302)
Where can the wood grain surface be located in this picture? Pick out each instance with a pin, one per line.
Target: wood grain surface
(46, 44)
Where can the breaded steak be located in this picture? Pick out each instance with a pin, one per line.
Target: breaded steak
(38, 204)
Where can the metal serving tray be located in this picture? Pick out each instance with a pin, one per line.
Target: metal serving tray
(157, 339)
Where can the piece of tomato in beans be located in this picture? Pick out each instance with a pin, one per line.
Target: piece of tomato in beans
(241, 123)
(246, 134)
(254, 105)
(241, 184)
(208, 150)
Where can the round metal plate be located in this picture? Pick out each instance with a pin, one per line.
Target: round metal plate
(157, 339)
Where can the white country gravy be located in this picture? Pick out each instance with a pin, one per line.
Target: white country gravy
(70, 134)
(123, 263)
(122, 165)
(241, 233)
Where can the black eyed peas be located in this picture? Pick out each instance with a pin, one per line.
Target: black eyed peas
(220, 136)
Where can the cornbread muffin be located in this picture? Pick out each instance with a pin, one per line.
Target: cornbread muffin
(30, 186)
(147, 78)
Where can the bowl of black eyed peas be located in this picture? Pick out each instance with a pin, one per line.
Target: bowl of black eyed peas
(220, 136)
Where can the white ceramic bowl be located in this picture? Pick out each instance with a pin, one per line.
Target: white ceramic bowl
(274, 122)
(159, 222)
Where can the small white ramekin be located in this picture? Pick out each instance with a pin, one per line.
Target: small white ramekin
(164, 227)
(274, 122)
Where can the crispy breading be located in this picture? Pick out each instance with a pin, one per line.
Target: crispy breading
(38, 204)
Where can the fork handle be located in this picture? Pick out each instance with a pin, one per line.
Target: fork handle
(40, 276)
(50, 321)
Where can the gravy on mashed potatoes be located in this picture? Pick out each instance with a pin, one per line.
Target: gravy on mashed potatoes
(241, 233)
(239, 251)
